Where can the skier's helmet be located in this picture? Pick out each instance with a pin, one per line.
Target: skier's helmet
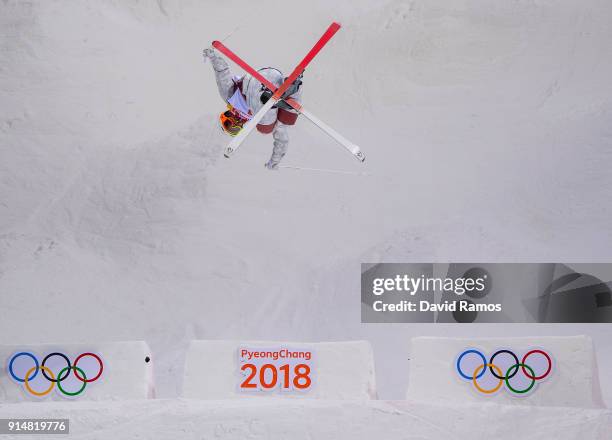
(231, 123)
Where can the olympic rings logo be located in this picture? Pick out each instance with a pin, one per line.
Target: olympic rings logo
(23, 367)
(504, 368)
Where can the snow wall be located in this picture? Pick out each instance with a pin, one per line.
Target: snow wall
(114, 370)
(573, 374)
(344, 370)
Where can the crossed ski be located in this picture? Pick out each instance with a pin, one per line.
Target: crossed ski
(278, 93)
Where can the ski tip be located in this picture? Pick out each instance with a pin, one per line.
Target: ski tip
(336, 24)
(215, 43)
(360, 156)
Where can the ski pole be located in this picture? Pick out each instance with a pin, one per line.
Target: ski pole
(323, 170)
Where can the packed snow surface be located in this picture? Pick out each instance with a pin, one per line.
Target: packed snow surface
(315, 419)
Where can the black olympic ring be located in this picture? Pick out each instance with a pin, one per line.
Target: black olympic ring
(59, 379)
(516, 361)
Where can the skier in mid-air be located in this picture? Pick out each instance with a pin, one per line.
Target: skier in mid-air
(245, 96)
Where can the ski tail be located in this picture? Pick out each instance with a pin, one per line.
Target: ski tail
(348, 145)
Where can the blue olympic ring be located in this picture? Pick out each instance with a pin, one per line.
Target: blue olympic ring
(23, 353)
(484, 361)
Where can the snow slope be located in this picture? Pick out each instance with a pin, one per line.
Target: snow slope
(486, 126)
(308, 419)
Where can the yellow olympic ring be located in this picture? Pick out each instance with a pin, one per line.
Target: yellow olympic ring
(492, 390)
(29, 388)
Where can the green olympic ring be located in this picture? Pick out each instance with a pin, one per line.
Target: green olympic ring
(516, 366)
(76, 393)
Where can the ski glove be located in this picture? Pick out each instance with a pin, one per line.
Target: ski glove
(209, 52)
(292, 90)
(271, 165)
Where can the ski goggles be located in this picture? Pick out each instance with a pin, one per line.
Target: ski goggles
(231, 122)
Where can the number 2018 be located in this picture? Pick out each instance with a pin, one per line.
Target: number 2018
(300, 381)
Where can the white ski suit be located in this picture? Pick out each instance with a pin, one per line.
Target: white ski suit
(244, 93)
